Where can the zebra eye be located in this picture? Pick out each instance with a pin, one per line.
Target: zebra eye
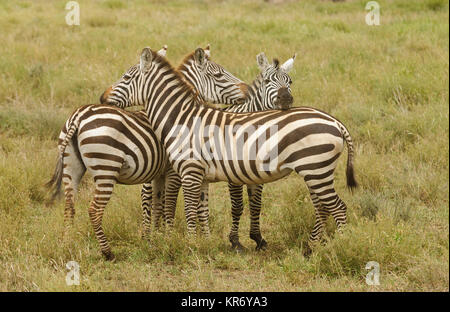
(266, 80)
(127, 77)
(217, 75)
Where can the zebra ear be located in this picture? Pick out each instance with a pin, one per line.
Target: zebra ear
(287, 66)
(208, 51)
(163, 51)
(200, 57)
(146, 60)
(262, 61)
(276, 63)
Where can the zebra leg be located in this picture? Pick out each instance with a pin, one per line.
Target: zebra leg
(203, 210)
(157, 205)
(69, 207)
(321, 218)
(331, 202)
(73, 171)
(338, 209)
(237, 206)
(146, 204)
(254, 197)
(102, 194)
(173, 184)
(192, 183)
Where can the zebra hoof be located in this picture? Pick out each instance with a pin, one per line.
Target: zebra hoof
(236, 246)
(262, 245)
(109, 256)
(307, 251)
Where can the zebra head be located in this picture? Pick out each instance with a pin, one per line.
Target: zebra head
(125, 92)
(213, 82)
(275, 83)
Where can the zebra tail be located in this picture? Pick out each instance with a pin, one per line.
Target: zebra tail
(350, 173)
(55, 182)
(351, 181)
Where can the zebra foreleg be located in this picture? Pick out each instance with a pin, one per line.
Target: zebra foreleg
(146, 204)
(203, 210)
(254, 197)
(237, 207)
(173, 184)
(192, 184)
(158, 200)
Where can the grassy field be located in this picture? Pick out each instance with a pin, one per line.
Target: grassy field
(387, 83)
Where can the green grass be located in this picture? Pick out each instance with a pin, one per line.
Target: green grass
(387, 83)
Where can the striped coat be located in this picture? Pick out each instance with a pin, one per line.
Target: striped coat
(117, 146)
(265, 146)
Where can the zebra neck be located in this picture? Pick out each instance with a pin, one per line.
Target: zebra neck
(254, 101)
(190, 74)
(169, 100)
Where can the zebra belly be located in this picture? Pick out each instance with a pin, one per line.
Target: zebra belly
(240, 172)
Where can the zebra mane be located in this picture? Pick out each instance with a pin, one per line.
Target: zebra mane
(162, 62)
(187, 58)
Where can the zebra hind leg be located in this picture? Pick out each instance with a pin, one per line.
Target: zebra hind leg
(321, 218)
(102, 194)
(69, 207)
(334, 205)
(73, 171)
(254, 197)
(237, 207)
(329, 202)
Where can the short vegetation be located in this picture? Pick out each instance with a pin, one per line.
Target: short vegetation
(388, 84)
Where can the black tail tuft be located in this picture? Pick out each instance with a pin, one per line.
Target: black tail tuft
(351, 181)
(55, 182)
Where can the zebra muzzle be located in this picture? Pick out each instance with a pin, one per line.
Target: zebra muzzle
(284, 99)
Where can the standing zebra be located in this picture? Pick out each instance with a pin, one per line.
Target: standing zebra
(199, 140)
(257, 102)
(261, 96)
(117, 146)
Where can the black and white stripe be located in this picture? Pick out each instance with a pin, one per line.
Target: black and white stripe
(117, 146)
(306, 140)
(258, 100)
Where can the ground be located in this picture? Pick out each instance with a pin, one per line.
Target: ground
(388, 84)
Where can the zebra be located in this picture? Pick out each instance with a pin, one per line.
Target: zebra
(305, 140)
(257, 100)
(117, 146)
(254, 103)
